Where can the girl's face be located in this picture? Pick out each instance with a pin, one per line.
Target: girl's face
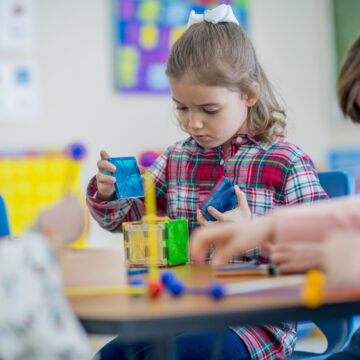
(212, 115)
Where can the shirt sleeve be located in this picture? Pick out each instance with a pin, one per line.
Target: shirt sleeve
(111, 214)
(36, 321)
(313, 223)
(302, 185)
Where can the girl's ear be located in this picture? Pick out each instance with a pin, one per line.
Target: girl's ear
(252, 97)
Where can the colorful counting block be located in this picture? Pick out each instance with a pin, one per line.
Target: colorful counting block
(129, 183)
(172, 238)
(222, 198)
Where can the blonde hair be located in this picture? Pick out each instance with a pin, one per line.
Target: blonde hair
(349, 83)
(222, 55)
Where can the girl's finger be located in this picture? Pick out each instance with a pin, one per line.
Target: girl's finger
(216, 214)
(105, 179)
(200, 218)
(104, 155)
(105, 165)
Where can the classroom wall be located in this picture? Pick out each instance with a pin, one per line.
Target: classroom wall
(77, 102)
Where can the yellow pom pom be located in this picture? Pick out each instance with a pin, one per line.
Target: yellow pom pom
(313, 290)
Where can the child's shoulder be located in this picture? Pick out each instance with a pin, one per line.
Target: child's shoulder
(286, 151)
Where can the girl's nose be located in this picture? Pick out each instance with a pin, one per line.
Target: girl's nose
(195, 121)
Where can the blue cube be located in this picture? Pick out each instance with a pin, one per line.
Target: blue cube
(129, 183)
(222, 198)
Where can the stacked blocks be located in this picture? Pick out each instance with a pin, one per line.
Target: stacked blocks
(172, 238)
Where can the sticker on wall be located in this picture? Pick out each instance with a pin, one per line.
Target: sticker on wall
(144, 32)
(19, 96)
(17, 24)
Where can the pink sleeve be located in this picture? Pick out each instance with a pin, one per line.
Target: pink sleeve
(314, 222)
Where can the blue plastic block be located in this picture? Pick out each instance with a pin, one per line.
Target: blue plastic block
(129, 183)
(222, 198)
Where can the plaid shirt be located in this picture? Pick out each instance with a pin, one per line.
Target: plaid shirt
(270, 174)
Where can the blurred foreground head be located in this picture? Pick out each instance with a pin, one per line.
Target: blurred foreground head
(349, 83)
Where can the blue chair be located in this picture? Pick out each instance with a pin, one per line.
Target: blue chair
(4, 223)
(338, 332)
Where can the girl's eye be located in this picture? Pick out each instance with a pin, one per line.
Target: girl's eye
(181, 108)
(210, 112)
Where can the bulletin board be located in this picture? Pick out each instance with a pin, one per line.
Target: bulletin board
(144, 31)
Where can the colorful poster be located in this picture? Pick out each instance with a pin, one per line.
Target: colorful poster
(144, 32)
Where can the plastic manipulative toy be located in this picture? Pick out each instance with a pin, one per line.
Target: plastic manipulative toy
(250, 268)
(177, 288)
(147, 158)
(129, 183)
(222, 198)
(171, 236)
(313, 289)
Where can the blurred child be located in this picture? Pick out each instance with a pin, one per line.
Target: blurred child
(295, 238)
(236, 126)
(36, 321)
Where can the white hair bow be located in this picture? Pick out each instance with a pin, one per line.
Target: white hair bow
(222, 13)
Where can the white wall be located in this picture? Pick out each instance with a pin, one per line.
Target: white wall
(77, 100)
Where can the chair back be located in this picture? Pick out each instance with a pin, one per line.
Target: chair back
(4, 222)
(337, 183)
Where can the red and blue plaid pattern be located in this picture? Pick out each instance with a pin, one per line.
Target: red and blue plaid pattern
(271, 174)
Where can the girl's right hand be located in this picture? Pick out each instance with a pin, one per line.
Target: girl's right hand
(105, 183)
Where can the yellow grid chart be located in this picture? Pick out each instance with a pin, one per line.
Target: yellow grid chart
(30, 184)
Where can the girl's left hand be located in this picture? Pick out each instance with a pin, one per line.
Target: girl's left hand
(240, 213)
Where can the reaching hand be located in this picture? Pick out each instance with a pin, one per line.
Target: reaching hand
(240, 213)
(296, 257)
(64, 222)
(232, 239)
(105, 183)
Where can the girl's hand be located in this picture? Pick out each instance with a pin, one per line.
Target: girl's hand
(232, 239)
(105, 183)
(296, 257)
(240, 213)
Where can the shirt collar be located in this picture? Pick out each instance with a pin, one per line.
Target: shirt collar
(239, 139)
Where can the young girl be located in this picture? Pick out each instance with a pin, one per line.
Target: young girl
(227, 106)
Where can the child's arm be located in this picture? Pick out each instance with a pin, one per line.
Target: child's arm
(301, 184)
(112, 213)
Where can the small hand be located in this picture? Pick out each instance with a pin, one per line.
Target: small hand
(105, 183)
(296, 257)
(240, 213)
(231, 239)
(64, 222)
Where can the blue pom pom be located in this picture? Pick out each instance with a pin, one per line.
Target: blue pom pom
(137, 281)
(217, 291)
(167, 277)
(176, 288)
(76, 151)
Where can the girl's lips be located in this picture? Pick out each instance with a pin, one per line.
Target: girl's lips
(201, 137)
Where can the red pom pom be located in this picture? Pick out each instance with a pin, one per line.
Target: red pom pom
(155, 288)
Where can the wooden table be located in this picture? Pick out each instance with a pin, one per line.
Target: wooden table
(159, 319)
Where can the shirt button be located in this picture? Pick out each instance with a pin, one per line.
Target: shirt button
(222, 162)
(239, 140)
